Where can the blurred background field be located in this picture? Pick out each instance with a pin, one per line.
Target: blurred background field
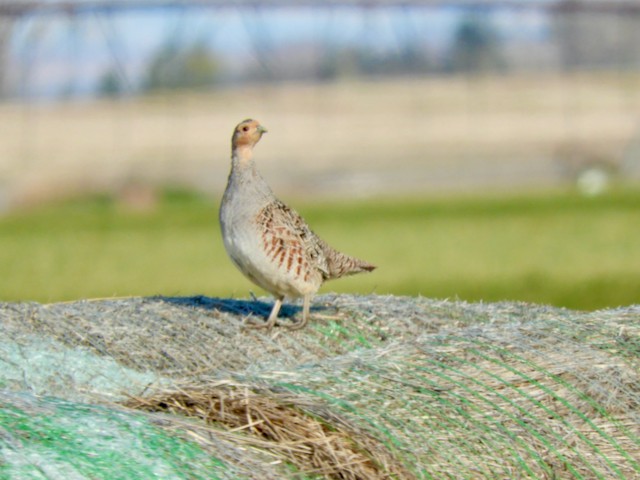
(351, 138)
(478, 150)
(554, 248)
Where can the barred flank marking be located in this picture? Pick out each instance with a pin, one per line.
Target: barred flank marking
(286, 236)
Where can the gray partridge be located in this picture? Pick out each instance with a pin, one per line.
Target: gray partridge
(270, 242)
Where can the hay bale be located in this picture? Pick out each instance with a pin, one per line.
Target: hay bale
(377, 387)
(48, 438)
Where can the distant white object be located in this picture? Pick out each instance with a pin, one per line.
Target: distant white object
(591, 167)
(593, 181)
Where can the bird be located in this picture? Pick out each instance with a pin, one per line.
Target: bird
(269, 242)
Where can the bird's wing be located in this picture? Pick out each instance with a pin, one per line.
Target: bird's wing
(288, 240)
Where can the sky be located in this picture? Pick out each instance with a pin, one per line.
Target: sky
(54, 52)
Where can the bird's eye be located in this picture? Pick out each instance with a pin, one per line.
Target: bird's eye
(245, 128)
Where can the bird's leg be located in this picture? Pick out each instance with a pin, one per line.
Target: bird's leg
(306, 306)
(273, 316)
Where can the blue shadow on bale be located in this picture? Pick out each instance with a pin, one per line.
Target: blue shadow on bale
(257, 308)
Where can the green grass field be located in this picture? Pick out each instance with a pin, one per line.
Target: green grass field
(555, 248)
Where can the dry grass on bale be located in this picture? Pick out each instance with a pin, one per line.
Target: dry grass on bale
(279, 424)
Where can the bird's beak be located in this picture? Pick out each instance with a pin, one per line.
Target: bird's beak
(262, 130)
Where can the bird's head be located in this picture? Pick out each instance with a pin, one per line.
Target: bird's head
(247, 134)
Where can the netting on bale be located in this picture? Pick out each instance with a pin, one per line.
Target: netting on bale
(376, 387)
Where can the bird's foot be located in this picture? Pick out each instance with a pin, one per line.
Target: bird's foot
(296, 325)
(253, 325)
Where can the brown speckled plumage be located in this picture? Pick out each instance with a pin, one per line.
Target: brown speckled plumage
(269, 241)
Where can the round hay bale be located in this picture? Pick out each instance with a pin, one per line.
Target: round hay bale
(376, 387)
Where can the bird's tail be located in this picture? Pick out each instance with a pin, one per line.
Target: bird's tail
(341, 265)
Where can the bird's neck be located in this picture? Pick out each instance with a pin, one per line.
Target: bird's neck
(244, 175)
(242, 156)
